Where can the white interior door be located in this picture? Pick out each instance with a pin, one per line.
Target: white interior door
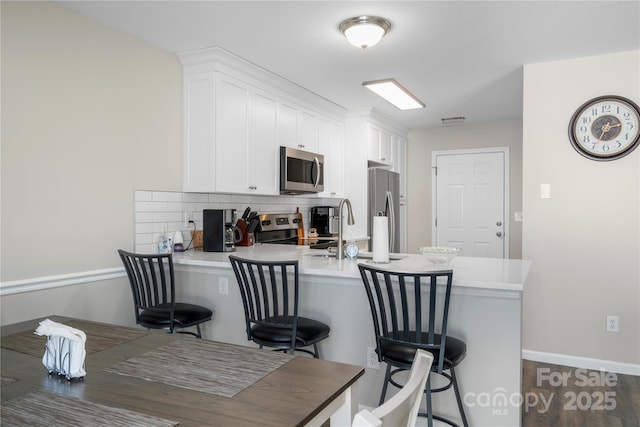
(470, 201)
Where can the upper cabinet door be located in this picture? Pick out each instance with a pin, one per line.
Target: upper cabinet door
(288, 125)
(386, 143)
(232, 135)
(308, 130)
(199, 136)
(379, 146)
(331, 145)
(264, 159)
(375, 135)
(298, 127)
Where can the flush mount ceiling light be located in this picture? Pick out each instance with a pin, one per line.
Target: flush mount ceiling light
(395, 93)
(364, 31)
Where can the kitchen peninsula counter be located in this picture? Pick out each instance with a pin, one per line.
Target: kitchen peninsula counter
(485, 312)
(469, 272)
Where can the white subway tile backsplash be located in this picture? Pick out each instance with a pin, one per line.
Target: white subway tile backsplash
(219, 198)
(195, 197)
(143, 196)
(176, 206)
(167, 216)
(147, 249)
(162, 196)
(150, 227)
(144, 217)
(150, 206)
(158, 211)
(144, 238)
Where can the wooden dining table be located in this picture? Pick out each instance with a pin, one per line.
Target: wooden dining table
(170, 379)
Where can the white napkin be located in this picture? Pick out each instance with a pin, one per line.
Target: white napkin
(65, 351)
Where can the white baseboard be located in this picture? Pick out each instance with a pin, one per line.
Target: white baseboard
(582, 362)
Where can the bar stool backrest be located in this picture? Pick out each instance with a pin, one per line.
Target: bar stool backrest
(269, 291)
(409, 309)
(152, 282)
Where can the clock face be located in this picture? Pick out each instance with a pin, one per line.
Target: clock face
(605, 128)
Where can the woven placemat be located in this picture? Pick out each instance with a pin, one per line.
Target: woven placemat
(42, 408)
(99, 337)
(201, 365)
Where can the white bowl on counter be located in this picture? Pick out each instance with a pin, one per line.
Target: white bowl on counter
(439, 255)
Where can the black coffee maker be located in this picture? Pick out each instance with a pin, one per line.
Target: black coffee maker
(219, 231)
(325, 220)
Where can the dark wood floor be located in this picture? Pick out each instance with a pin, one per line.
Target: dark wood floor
(562, 396)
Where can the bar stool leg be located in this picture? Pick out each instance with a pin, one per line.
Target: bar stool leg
(387, 377)
(457, 391)
(427, 392)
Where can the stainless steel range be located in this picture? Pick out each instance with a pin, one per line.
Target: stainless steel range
(288, 229)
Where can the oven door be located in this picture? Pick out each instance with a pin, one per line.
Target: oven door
(301, 171)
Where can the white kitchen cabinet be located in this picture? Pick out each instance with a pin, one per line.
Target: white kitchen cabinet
(400, 163)
(232, 135)
(298, 126)
(230, 140)
(236, 117)
(265, 151)
(380, 145)
(331, 145)
(199, 136)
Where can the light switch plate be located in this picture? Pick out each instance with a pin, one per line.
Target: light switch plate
(545, 191)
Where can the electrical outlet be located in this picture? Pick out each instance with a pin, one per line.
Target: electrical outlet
(372, 358)
(223, 286)
(612, 324)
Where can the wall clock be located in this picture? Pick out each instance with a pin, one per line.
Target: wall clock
(605, 128)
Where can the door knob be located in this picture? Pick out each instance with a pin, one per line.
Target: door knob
(499, 223)
(499, 234)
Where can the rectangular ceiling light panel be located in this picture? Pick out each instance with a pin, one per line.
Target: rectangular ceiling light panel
(395, 93)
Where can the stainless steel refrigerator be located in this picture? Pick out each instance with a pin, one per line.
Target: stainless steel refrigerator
(384, 198)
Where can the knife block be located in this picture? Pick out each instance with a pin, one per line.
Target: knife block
(247, 238)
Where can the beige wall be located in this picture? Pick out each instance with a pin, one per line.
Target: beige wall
(585, 241)
(423, 142)
(88, 115)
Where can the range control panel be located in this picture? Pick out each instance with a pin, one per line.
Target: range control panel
(287, 221)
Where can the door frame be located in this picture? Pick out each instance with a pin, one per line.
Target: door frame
(434, 195)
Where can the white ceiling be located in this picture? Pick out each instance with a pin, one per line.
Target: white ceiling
(462, 58)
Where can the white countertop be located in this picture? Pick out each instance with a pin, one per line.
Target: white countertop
(471, 272)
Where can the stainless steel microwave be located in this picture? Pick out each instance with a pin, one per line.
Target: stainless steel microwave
(301, 171)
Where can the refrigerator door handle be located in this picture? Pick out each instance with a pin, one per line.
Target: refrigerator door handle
(392, 220)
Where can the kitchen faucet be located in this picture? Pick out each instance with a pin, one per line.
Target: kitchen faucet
(350, 221)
